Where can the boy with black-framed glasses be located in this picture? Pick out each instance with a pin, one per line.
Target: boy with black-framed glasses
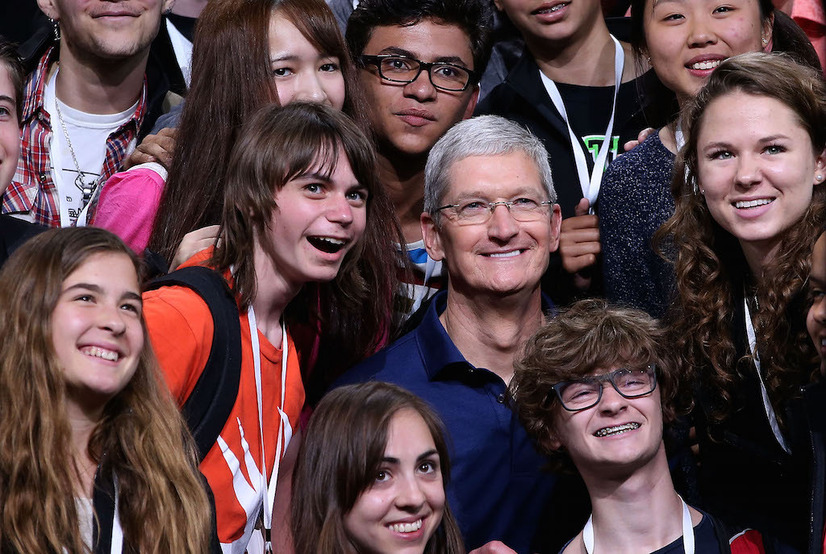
(594, 389)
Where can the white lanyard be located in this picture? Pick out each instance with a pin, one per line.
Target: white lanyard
(56, 154)
(679, 137)
(688, 531)
(117, 530)
(269, 484)
(590, 185)
(767, 405)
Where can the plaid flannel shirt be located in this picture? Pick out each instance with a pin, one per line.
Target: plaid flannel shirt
(32, 190)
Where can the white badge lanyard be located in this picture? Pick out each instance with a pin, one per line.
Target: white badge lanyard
(688, 531)
(117, 530)
(56, 154)
(269, 484)
(752, 339)
(590, 184)
(679, 137)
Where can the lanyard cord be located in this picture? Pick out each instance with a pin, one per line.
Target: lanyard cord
(688, 531)
(589, 184)
(767, 405)
(269, 484)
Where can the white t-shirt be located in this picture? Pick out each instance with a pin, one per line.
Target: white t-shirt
(87, 134)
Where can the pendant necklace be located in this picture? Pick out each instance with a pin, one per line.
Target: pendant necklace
(85, 188)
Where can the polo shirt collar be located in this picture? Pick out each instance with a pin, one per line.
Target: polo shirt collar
(437, 348)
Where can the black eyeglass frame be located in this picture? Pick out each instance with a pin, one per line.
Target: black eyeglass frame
(601, 379)
(369, 59)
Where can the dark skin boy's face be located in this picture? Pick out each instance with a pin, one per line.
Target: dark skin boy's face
(409, 118)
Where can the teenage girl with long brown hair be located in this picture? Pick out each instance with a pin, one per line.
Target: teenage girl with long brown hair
(95, 455)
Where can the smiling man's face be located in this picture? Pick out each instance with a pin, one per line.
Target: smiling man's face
(501, 256)
(94, 29)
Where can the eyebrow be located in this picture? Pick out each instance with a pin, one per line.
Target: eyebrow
(285, 57)
(420, 457)
(9, 99)
(315, 176)
(407, 53)
(658, 2)
(762, 140)
(522, 191)
(130, 295)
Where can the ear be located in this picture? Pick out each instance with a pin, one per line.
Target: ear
(471, 105)
(498, 4)
(820, 168)
(556, 224)
(552, 441)
(167, 6)
(432, 240)
(766, 33)
(49, 8)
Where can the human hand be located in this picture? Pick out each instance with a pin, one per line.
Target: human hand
(644, 134)
(493, 547)
(579, 244)
(192, 243)
(154, 148)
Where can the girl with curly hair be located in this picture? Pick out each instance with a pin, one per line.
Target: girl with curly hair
(95, 456)
(750, 203)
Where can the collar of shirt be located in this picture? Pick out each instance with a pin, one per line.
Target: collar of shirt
(439, 354)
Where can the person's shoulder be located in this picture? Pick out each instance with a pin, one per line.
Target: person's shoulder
(509, 95)
(394, 363)
(652, 146)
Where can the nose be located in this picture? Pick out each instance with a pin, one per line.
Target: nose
(110, 317)
(611, 401)
(339, 210)
(701, 34)
(819, 310)
(409, 495)
(748, 171)
(310, 89)
(421, 88)
(502, 226)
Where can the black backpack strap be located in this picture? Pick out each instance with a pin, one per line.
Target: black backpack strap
(208, 407)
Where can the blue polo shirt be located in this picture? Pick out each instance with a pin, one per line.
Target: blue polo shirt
(497, 488)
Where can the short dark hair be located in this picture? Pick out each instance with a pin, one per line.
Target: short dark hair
(14, 67)
(474, 17)
(589, 335)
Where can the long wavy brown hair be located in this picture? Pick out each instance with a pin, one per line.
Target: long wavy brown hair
(141, 437)
(710, 267)
(231, 79)
(341, 454)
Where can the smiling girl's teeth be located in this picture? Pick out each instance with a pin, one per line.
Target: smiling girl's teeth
(752, 203)
(707, 64)
(616, 430)
(97, 352)
(327, 244)
(406, 527)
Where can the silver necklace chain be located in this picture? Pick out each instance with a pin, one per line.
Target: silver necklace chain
(84, 187)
